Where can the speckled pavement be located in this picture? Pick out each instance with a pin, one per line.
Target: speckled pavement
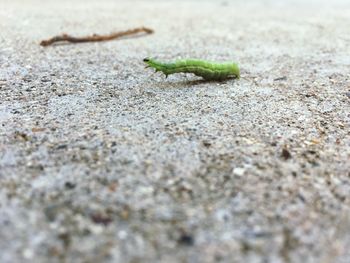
(102, 160)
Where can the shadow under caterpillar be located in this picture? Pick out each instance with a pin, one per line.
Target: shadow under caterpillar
(205, 69)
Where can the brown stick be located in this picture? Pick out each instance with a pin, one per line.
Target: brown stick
(95, 37)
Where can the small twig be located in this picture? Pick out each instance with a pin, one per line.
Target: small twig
(95, 37)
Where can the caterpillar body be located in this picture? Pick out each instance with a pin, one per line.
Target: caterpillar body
(205, 69)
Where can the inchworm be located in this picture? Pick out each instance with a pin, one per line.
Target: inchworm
(205, 69)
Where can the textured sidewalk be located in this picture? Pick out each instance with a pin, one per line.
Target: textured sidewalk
(102, 160)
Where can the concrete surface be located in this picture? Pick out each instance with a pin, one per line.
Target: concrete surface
(104, 161)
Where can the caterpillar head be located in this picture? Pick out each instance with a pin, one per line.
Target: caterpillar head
(148, 61)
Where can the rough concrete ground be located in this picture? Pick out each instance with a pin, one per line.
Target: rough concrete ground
(102, 160)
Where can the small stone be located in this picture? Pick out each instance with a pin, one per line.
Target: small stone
(122, 234)
(186, 239)
(206, 143)
(62, 146)
(280, 79)
(28, 253)
(286, 154)
(101, 219)
(239, 171)
(70, 185)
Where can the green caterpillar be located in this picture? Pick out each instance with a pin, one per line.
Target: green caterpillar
(205, 69)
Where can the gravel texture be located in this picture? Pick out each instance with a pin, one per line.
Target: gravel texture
(102, 160)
